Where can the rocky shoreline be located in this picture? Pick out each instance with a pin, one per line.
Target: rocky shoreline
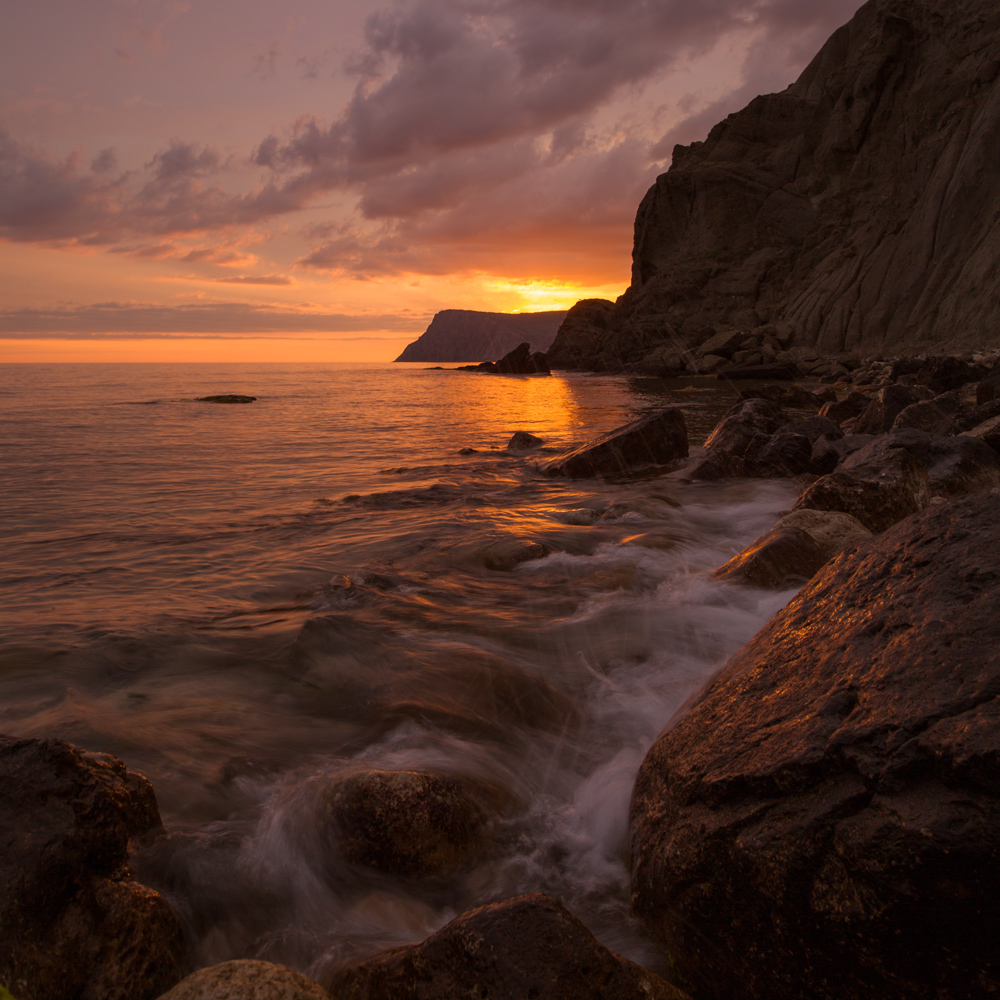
(823, 821)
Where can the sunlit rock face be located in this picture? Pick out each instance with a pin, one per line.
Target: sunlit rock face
(825, 821)
(854, 211)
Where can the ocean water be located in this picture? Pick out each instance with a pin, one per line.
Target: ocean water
(248, 602)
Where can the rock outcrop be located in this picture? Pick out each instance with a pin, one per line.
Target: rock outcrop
(245, 979)
(825, 820)
(856, 211)
(73, 924)
(463, 335)
(528, 946)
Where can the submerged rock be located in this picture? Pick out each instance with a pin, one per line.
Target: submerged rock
(408, 824)
(507, 553)
(73, 924)
(231, 397)
(825, 820)
(245, 979)
(523, 441)
(657, 440)
(522, 948)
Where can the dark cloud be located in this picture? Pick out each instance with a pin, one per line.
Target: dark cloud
(131, 320)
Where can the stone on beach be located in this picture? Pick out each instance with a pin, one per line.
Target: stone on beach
(73, 924)
(825, 820)
(521, 948)
(659, 439)
(245, 979)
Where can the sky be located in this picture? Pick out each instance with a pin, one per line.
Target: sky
(254, 180)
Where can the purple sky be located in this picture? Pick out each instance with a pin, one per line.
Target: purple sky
(322, 177)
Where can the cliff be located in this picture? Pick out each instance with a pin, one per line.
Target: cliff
(857, 209)
(463, 335)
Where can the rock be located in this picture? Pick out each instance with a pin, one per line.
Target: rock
(856, 206)
(926, 415)
(877, 505)
(73, 924)
(245, 979)
(827, 454)
(459, 334)
(953, 465)
(521, 948)
(227, 398)
(792, 396)
(467, 451)
(785, 557)
(584, 334)
(523, 441)
(656, 440)
(580, 516)
(826, 394)
(724, 344)
(708, 364)
(711, 466)
(988, 432)
(988, 389)
(852, 405)
(943, 374)
(746, 429)
(505, 554)
(408, 824)
(521, 361)
(881, 412)
(966, 421)
(784, 455)
(830, 530)
(825, 820)
(779, 372)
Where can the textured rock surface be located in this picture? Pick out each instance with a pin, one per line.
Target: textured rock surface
(857, 208)
(825, 821)
(521, 948)
(408, 823)
(247, 980)
(657, 440)
(464, 335)
(784, 557)
(72, 922)
(877, 504)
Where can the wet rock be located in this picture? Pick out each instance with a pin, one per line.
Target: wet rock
(926, 415)
(523, 441)
(73, 924)
(746, 429)
(227, 398)
(581, 516)
(783, 371)
(877, 504)
(657, 440)
(467, 451)
(785, 557)
(521, 361)
(831, 530)
(526, 947)
(247, 980)
(507, 553)
(881, 412)
(712, 466)
(953, 465)
(828, 454)
(851, 406)
(724, 344)
(707, 364)
(408, 824)
(784, 455)
(825, 820)
(966, 421)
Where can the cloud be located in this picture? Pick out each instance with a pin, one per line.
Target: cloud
(254, 279)
(138, 320)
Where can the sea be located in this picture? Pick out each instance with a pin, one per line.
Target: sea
(247, 603)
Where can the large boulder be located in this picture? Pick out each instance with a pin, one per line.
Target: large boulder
(521, 361)
(656, 440)
(526, 947)
(246, 979)
(785, 557)
(825, 820)
(881, 413)
(877, 504)
(73, 924)
(746, 429)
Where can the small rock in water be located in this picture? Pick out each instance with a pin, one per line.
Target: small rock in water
(657, 440)
(231, 397)
(245, 979)
(521, 948)
(507, 553)
(784, 557)
(408, 823)
(467, 451)
(523, 441)
(582, 516)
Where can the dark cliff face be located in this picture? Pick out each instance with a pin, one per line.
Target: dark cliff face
(464, 335)
(859, 206)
